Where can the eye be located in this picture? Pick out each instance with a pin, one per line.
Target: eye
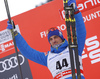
(55, 36)
(50, 39)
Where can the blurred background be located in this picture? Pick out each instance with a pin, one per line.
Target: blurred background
(14, 6)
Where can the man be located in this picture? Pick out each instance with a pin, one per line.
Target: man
(59, 49)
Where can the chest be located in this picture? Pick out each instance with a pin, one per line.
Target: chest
(59, 60)
(60, 63)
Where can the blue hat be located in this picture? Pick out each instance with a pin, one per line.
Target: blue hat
(55, 32)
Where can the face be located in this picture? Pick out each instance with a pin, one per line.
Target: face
(54, 40)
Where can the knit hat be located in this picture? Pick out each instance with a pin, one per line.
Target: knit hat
(54, 31)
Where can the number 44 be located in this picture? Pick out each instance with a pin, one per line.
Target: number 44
(61, 65)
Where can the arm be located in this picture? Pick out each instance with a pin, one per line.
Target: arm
(30, 53)
(80, 27)
(81, 32)
(26, 50)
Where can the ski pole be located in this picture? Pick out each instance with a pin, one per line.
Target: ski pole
(67, 21)
(72, 39)
(75, 45)
(13, 35)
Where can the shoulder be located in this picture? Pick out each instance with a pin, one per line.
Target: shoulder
(46, 53)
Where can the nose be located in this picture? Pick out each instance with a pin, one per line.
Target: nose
(53, 40)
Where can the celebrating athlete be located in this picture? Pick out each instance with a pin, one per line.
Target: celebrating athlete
(57, 60)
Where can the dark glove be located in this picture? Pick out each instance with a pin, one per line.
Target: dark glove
(10, 27)
(72, 2)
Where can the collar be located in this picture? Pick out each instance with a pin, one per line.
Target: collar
(60, 48)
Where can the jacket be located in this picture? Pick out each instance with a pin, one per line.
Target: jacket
(40, 57)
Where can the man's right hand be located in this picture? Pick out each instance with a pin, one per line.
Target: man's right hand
(9, 26)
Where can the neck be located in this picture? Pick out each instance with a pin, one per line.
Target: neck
(57, 45)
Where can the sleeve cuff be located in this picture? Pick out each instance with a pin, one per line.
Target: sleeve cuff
(76, 11)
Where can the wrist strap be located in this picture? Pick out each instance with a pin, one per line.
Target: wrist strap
(76, 11)
(15, 33)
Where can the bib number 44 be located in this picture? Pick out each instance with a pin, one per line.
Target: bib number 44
(63, 63)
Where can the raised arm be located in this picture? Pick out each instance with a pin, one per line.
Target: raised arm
(27, 51)
(81, 32)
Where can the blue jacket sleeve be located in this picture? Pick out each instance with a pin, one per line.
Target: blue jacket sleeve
(81, 32)
(30, 53)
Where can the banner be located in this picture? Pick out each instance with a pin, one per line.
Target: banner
(9, 67)
(34, 23)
